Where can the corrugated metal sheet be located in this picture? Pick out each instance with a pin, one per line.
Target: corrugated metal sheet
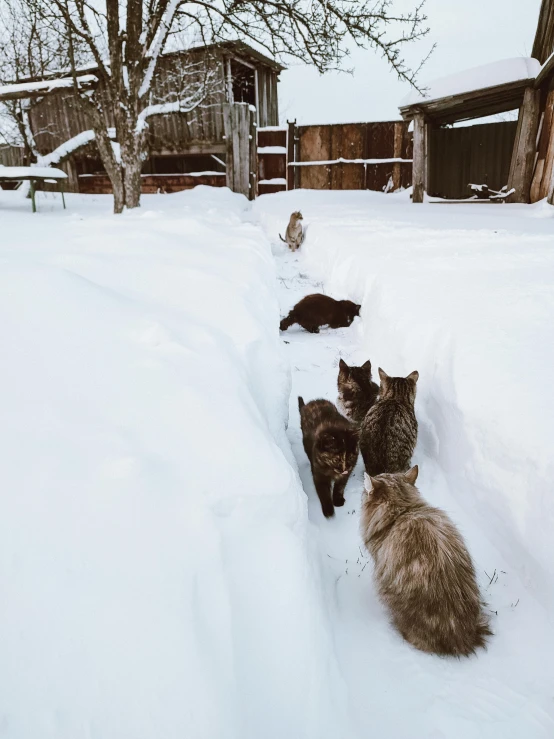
(479, 154)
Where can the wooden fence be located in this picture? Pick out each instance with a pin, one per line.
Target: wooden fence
(479, 154)
(353, 156)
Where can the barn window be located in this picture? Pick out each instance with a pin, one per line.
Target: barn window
(244, 82)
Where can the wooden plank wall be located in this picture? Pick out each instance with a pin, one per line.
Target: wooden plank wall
(271, 166)
(352, 141)
(101, 185)
(268, 113)
(479, 154)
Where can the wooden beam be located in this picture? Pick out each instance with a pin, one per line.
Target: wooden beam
(397, 154)
(291, 150)
(472, 104)
(252, 155)
(543, 45)
(525, 146)
(420, 159)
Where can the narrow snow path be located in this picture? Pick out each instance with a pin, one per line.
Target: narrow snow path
(396, 692)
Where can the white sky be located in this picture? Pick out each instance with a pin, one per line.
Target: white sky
(467, 34)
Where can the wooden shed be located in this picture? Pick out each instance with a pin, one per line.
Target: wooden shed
(183, 148)
(515, 157)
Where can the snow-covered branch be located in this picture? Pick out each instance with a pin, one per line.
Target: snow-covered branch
(157, 45)
(178, 106)
(67, 148)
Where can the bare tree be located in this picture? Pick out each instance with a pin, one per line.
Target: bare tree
(28, 49)
(124, 40)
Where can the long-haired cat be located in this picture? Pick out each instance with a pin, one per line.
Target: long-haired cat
(318, 310)
(294, 235)
(388, 434)
(331, 444)
(357, 391)
(423, 571)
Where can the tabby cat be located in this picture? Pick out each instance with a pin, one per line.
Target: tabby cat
(357, 391)
(388, 433)
(318, 310)
(331, 444)
(423, 571)
(294, 235)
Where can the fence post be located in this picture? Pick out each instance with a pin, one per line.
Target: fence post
(253, 154)
(236, 117)
(291, 155)
(420, 159)
(397, 154)
(525, 146)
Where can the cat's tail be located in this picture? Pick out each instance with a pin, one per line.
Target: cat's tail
(301, 403)
(283, 240)
(288, 321)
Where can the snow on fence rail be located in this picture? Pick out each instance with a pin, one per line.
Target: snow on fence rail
(341, 160)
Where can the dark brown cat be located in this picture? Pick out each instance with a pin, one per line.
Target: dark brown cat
(388, 434)
(357, 391)
(423, 571)
(318, 310)
(331, 444)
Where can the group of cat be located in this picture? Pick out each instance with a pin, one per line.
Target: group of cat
(423, 571)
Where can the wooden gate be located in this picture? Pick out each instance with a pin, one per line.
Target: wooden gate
(478, 155)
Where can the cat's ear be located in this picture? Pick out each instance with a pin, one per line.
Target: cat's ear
(413, 376)
(411, 475)
(373, 486)
(358, 309)
(383, 375)
(344, 368)
(367, 366)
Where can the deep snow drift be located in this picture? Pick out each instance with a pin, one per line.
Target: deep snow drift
(159, 572)
(156, 574)
(464, 294)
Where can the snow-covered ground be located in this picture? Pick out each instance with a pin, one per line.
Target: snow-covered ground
(464, 294)
(160, 570)
(156, 572)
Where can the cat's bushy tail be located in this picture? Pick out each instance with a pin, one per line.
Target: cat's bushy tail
(301, 403)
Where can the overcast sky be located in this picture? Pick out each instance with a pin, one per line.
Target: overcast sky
(467, 34)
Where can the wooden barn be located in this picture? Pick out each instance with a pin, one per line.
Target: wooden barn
(184, 149)
(507, 160)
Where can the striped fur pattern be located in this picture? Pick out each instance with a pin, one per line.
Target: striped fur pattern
(331, 445)
(423, 571)
(357, 391)
(389, 430)
(294, 235)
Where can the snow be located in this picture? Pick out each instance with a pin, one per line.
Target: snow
(272, 149)
(272, 128)
(273, 181)
(464, 294)
(158, 577)
(477, 78)
(68, 147)
(163, 572)
(341, 160)
(17, 173)
(44, 85)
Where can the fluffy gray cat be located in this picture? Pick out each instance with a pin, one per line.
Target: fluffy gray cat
(423, 571)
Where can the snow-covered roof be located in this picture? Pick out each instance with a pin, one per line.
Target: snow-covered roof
(21, 173)
(477, 78)
(22, 88)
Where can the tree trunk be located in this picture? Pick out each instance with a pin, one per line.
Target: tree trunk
(132, 162)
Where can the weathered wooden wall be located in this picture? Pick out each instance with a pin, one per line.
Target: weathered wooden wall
(268, 106)
(543, 45)
(100, 184)
(57, 116)
(354, 141)
(479, 154)
(12, 156)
